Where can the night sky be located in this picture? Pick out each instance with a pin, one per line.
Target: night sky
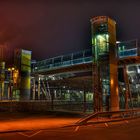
(54, 27)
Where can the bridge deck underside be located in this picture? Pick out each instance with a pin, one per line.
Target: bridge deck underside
(129, 60)
(74, 68)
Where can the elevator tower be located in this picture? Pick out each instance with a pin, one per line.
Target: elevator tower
(105, 79)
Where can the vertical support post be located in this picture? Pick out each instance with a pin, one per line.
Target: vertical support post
(114, 93)
(72, 58)
(126, 86)
(85, 107)
(34, 88)
(45, 91)
(52, 99)
(48, 91)
(97, 88)
(38, 88)
(127, 92)
(83, 56)
(8, 97)
(11, 93)
(2, 88)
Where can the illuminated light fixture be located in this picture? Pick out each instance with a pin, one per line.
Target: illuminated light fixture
(137, 86)
(100, 37)
(117, 91)
(15, 76)
(9, 69)
(107, 36)
(112, 82)
(53, 78)
(138, 70)
(124, 89)
(39, 78)
(117, 42)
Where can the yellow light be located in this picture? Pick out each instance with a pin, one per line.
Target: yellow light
(9, 69)
(101, 37)
(15, 76)
(111, 82)
(13, 68)
(117, 91)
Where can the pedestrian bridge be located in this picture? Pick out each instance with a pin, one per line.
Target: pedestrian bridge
(83, 60)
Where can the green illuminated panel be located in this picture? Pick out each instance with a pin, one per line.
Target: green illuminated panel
(26, 60)
(101, 44)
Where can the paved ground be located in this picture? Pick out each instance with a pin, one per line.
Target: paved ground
(28, 121)
(125, 130)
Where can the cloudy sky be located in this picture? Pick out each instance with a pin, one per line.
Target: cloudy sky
(54, 27)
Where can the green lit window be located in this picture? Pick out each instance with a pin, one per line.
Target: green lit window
(101, 42)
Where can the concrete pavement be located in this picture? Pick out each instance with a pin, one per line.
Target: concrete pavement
(23, 121)
(112, 131)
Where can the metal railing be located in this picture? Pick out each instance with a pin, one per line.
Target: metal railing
(128, 48)
(128, 52)
(64, 61)
(110, 116)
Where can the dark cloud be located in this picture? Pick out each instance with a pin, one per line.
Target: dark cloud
(55, 27)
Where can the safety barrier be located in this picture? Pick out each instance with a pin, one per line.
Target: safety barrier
(103, 117)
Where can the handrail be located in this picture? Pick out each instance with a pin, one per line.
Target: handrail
(64, 63)
(128, 52)
(110, 115)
